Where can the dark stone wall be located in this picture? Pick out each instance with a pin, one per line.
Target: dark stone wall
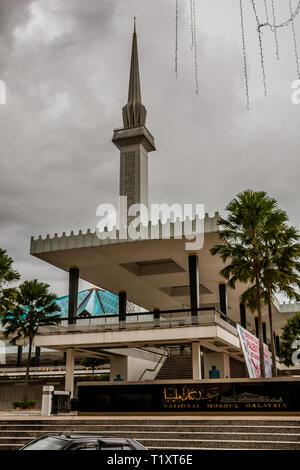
(248, 395)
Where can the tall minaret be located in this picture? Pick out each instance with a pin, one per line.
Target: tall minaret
(134, 140)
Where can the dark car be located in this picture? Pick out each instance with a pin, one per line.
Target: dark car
(71, 442)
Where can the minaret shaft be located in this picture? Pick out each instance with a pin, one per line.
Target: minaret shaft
(134, 141)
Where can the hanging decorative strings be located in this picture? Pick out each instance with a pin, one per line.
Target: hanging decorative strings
(273, 27)
(285, 23)
(192, 23)
(295, 41)
(244, 55)
(176, 40)
(266, 10)
(261, 52)
(270, 21)
(275, 30)
(193, 42)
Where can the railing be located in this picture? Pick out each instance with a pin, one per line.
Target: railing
(162, 355)
(144, 320)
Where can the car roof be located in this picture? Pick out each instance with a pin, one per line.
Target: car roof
(74, 437)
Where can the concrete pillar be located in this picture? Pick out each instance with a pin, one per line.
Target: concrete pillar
(264, 328)
(37, 356)
(122, 308)
(256, 327)
(73, 294)
(156, 317)
(226, 366)
(243, 317)
(47, 400)
(19, 356)
(217, 365)
(196, 359)
(194, 286)
(69, 381)
(223, 297)
(277, 345)
(119, 369)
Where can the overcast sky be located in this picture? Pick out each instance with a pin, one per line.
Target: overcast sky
(66, 65)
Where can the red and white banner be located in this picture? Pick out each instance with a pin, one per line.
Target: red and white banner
(250, 347)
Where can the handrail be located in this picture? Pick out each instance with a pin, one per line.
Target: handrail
(161, 312)
(156, 366)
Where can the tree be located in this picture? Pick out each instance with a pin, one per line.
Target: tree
(7, 276)
(92, 362)
(250, 215)
(34, 307)
(281, 271)
(290, 335)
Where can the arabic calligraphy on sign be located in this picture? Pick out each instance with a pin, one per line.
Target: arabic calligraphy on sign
(186, 393)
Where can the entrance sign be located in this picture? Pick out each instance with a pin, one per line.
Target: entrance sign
(233, 395)
(250, 347)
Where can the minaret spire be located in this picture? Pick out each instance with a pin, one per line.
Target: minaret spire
(134, 112)
(134, 141)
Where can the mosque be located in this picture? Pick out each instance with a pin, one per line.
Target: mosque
(163, 312)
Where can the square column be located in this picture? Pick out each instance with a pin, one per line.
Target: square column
(37, 356)
(217, 365)
(196, 360)
(256, 327)
(156, 315)
(194, 286)
(243, 317)
(119, 369)
(47, 396)
(122, 309)
(223, 297)
(264, 328)
(69, 381)
(73, 294)
(19, 356)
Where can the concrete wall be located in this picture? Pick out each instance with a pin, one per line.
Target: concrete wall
(135, 364)
(11, 392)
(218, 360)
(238, 369)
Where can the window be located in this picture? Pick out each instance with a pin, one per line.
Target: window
(114, 446)
(46, 443)
(84, 446)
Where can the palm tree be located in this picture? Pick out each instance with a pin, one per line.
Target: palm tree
(251, 215)
(34, 307)
(7, 276)
(280, 274)
(290, 334)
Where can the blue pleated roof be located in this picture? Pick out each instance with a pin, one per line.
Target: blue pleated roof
(91, 301)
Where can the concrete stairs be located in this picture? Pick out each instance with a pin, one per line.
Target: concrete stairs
(176, 367)
(156, 433)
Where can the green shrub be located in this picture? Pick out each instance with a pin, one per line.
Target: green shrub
(30, 404)
(104, 377)
(24, 404)
(17, 404)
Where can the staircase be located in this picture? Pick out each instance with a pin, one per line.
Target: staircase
(176, 367)
(155, 433)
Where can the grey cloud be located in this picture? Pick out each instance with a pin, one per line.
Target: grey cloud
(67, 81)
